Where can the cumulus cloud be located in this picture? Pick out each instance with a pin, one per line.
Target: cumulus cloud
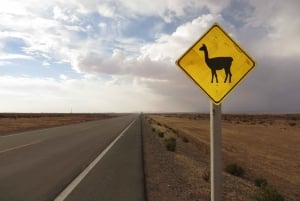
(89, 37)
(171, 46)
(152, 59)
(167, 10)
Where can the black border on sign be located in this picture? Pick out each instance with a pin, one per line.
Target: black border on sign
(182, 68)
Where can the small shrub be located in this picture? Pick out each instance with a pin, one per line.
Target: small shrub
(174, 131)
(261, 122)
(206, 175)
(153, 129)
(185, 139)
(161, 134)
(261, 182)
(292, 124)
(234, 169)
(170, 144)
(159, 124)
(268, 193)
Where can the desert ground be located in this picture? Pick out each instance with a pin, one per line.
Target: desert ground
(18, 122)
(265, 146)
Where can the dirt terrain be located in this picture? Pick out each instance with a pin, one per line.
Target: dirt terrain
(264, 146)
(17, 122)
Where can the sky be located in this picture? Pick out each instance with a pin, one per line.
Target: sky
(119, 55)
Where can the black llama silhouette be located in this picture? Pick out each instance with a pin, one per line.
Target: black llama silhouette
(217, 63)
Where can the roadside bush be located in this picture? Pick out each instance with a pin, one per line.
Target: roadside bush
(170, 144)
(161, 134)
(206, 175)
(174, 131)
(268, 193)
(261, 182)
(185, 139)
(235, 170)
(292, 124)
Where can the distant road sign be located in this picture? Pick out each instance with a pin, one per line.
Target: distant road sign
(216, 63)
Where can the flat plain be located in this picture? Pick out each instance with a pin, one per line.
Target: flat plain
(18, 122)
(265, 146)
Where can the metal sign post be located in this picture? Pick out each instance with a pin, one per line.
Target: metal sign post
(215, 152)
(213, 54)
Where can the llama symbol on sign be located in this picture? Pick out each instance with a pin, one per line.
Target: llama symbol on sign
(217, 63)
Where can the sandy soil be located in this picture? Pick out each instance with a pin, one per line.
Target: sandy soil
(265, 146)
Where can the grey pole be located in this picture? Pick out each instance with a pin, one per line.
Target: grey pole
(215, 152)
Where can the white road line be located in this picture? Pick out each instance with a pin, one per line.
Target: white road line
(20, 146)
(64, 194)
(38, 131)
(34, 131)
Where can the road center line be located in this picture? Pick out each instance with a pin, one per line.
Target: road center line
(64, 194)
(20, 146)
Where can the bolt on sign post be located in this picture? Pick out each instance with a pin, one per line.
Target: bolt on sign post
(216, 64)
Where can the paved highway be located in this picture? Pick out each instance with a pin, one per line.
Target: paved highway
(43, 164)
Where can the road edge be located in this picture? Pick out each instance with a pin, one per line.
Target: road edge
(68, 190)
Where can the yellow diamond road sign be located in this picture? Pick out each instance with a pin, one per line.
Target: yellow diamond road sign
(216, 63)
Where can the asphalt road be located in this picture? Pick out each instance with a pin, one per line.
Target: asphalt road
(39, 165)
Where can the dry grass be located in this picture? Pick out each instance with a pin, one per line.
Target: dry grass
(265, 146)
(10, 123)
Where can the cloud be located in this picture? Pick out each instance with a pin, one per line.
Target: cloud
(5, 63)
(45, 63)
(64, 14)
(29, 94)
(171, 46)
(154, 67)
(172, 9)
(58, 34)
(168, 10)
(152, 59)
(14, 56)
(95, 38)
(271, 28)
(270, 88)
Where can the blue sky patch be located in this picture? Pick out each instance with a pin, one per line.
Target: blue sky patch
(34, 68)
(143, 27)
(13, 45)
